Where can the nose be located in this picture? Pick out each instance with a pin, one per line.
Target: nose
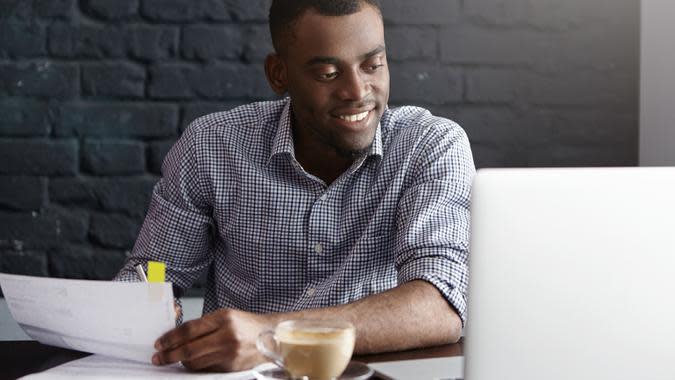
(353, 86)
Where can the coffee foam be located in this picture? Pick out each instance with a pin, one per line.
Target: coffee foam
(313, 335)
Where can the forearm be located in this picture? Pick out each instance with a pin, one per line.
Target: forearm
(408, 316)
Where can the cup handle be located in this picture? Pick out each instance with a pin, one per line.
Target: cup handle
(262, 347)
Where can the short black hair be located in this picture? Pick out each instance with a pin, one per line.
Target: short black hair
(284, 13)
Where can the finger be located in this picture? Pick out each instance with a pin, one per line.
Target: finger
(194, 349)
(185, 333)
(218, 361)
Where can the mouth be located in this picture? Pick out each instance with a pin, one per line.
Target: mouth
(354, 117)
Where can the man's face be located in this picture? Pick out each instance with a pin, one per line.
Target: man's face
(338, 79)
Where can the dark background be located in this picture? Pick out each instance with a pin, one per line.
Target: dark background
(94, 92)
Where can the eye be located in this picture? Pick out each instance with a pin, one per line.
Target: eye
(374, 67)
(328, 76)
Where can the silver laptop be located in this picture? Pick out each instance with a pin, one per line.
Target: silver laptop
(572, 275)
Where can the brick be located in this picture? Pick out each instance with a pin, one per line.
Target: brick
(28, 263)
(233, 81)
(205, 42)
(30, 10)
(85, 262)
(470, 44)
(583, 127)
(86, 41)
(44, 229)
(111, 10)
(38, 157)
(563, 15)
(493, 156)
(433, 12)
(72, 225)
(501, 126)
(14, 10)
(129, 195)
(564, 155)
(487, 85)
(257, 44)
(105, 157)
(194, 110)
(184, 10)
(170, 81)
(22, 193)
(23, 118)
(42, 79)
(114, 231)
(425, 83)
(113, 79)
(152, 43)
(501, 13)
(221, 81)
(27, 228)
(117, 120)
(22, 40)
(157, 152)
(600, 47)
(76, 191)
(583, 88)
(546, 15)
(411, 43)
(249, 10)
(51, 9)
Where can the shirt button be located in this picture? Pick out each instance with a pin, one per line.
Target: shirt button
(323, 197)
(311, 292)
(318, 248)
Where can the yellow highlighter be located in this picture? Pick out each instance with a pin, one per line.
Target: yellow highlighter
(156, 271)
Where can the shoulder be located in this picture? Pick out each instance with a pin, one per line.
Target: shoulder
(416, 124)
(243, 118)
(250, 126)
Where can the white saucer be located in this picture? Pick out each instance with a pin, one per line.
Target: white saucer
(354, 371)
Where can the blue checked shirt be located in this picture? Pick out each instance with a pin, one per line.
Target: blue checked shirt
(234, 201)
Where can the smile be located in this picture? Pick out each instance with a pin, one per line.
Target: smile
(354, 118)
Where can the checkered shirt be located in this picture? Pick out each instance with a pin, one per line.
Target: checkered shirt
(234, 201)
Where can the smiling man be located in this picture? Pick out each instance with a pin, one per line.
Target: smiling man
(324, 205)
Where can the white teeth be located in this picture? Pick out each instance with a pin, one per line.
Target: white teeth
(353, 118)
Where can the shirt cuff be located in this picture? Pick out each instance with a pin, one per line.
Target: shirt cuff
(450, 278)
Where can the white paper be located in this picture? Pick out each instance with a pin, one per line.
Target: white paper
(117, 319)
(102, 367)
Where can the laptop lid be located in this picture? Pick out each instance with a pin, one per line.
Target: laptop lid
(572, 274)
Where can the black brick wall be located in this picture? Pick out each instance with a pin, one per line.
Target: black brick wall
(94, 92)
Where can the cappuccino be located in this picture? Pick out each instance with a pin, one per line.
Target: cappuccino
(317, 350)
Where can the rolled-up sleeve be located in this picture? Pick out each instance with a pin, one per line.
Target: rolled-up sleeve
(177, 227)
(433, 216)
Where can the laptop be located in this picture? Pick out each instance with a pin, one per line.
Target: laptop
(572, 275)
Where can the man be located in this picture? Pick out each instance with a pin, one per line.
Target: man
(324, 205)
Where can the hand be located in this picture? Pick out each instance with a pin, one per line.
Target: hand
(221, 341)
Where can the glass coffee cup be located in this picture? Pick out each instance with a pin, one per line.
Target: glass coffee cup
(310, 349)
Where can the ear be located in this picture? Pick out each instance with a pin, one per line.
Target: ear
(275, 70)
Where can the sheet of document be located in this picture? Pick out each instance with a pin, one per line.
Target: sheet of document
(103, 367)
(117, 319)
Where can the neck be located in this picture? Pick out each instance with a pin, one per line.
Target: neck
(320, 160)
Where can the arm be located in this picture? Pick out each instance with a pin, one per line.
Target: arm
(409, 316)
(178, 219)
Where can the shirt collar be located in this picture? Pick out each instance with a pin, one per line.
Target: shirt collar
(283, 140)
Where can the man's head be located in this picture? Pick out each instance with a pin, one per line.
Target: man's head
(331, 59)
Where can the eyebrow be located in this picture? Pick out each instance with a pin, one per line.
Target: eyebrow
(334, 60)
